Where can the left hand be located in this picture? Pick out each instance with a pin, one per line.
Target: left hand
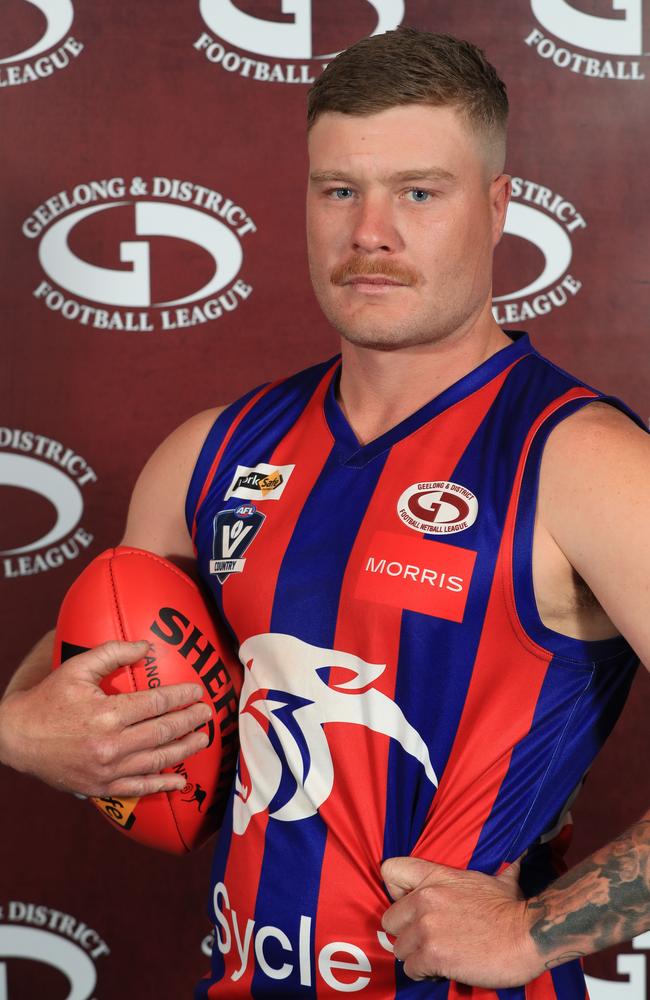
(459, 925)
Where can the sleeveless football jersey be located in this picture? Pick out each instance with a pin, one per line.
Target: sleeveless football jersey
(401, 694)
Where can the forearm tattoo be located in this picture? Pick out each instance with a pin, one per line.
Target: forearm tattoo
(602, 901)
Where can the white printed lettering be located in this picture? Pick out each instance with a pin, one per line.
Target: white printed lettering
(304, 951)
(360, 963)
(225, 943)
(268, 970)
(243, 949)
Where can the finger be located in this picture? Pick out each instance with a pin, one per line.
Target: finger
(403, 874)
(142, 705)
(417, 968)
(164, 729)
(509, 878)
(398, 916)
(137, 786)
(511, 872)
(97, 663)
(154, 761)
(407, 941)
(408, 949)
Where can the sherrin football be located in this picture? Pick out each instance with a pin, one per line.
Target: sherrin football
(130, 594)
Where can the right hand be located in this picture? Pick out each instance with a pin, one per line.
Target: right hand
(69, 733)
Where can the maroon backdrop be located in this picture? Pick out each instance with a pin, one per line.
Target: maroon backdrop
(148, 145)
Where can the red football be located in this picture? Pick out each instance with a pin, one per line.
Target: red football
(131, 594)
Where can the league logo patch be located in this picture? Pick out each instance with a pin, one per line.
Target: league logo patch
(262, 482)
(438, 508)
(233, 532)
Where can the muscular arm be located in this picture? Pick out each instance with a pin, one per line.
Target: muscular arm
(156, 518)
(60, 726)
(33, 668)
(477, 929)
(602, 901)
(593, 507)
(594, 502)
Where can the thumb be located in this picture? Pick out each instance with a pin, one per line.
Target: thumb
(95, 664)
(509, 877)
(400, 875)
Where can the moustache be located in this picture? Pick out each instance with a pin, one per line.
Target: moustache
(357, 266)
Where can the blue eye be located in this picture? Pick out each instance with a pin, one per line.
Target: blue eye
(341, 193)
(419, 195)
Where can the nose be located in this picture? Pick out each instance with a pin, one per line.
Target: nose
(374, 228)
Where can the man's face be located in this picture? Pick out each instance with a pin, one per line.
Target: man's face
(403, 214)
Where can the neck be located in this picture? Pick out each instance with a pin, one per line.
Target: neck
(379, 389)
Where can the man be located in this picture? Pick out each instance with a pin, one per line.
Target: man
(432, 562)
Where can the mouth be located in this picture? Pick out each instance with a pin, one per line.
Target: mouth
(373, 279)
(372, 284)
(363, 273)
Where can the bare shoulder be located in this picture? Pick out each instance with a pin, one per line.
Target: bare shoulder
(595, 434)
(594, 494)
(595, 455)
(156, 519)
(176, 456)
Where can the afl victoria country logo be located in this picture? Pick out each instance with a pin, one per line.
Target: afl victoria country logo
(57, 474)
(187, 278)
(52, 48)
(549, 222)
(35, 935)
(616, 40)
(285, 51)
(437, 508)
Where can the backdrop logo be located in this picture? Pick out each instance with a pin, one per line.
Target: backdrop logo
(633, 966)
(37, 934)
(57, 473)
(50, 52)
(290, 41)
(609, 36)
(204, 227)
(548, 221)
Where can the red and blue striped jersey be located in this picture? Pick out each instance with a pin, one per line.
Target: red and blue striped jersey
(402, 695)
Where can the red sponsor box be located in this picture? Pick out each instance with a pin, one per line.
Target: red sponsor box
(417, 574)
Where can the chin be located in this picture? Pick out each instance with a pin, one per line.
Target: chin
(375, 340)
(372, 332)
(392, 338)
(378, 334)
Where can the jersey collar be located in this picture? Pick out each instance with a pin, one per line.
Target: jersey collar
(354, 454)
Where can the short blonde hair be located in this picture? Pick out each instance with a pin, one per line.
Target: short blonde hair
(408, 66)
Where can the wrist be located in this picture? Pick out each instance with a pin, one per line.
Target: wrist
(10, 752)
(530, 960)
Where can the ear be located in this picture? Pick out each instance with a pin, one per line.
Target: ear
(500, 192)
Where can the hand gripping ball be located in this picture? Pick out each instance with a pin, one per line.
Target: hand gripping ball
(130, 594)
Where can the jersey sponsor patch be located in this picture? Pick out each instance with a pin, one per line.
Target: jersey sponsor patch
(415, 573)
(331, 964)
(232, 532)
(262, 482)
(437, 508)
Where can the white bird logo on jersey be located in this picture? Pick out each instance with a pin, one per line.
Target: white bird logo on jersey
(285, 701)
